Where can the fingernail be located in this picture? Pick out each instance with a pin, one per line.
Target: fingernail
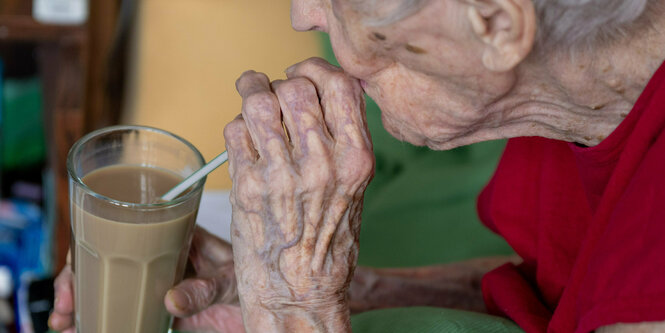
(276, 83)
(290, 69)
(180, 301)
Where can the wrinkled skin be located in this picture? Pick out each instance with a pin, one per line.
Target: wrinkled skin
(297, 199)
(451, 74)
(425, 72)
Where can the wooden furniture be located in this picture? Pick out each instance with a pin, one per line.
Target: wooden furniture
(74, 63)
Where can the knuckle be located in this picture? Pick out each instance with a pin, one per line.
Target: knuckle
(339, 81)
(203, 286)
(256, 75)
(313, 63)
(203, 291)
(359, 167)
(248, 190)
(318, 178)
(260, 103)
(281, 180)
(250, 75)
(318, 173)
(366, 162)
(234, 130)
(296, 90)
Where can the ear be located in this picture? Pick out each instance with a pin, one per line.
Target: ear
(507, 28)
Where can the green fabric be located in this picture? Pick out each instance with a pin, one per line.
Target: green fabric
(429, 320)
(420, 209)
(22, 140)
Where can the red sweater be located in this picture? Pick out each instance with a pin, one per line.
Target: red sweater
(588, 222)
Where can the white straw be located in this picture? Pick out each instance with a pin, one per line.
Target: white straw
(195, 177)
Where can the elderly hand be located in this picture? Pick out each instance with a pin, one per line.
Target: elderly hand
(205, 302)
(300, 160)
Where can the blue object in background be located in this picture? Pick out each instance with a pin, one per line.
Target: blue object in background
(21, 238)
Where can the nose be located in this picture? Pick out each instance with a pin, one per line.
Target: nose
(308, 15)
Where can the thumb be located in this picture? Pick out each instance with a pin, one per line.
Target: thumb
(191, 296)
(194, 295)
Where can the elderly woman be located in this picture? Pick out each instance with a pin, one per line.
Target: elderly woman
(577, 194)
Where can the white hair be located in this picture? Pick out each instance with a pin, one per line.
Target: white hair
(573, 23)
(561, 23)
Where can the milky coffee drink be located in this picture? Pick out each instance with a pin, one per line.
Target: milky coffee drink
(124, 269)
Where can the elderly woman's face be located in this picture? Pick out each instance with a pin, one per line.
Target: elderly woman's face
(425, 71)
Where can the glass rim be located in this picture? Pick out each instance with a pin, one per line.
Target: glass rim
(118, 128)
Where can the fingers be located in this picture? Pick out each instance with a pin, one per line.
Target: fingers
(208, 252)
(64, 291)
(63, 308)
(58, 322)
(195, 295)
(344, 113)
(262, 115)
(341, 98)
(301, 69)
(239, 145)
(190, 296)
(212, 258)
(302, 116)
(313, 150)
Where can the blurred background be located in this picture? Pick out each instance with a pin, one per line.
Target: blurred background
(68, 67)
(71, 66)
